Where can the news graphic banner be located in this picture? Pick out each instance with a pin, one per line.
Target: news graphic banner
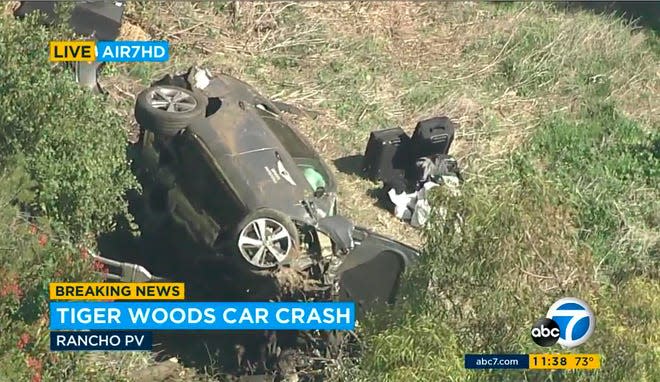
(108, 51)
(533, 361)
(101, 341)
(100, 322)
(116, 291)
(202, 315)
(68, 340)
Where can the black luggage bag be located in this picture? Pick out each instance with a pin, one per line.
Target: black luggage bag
(387, 156)
(433, 136)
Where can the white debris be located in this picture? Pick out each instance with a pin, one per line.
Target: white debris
(414, 207)
(402, 203)
(421, 213)
(452, 182)
(202, 79)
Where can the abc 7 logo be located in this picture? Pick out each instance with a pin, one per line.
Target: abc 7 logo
(569, 322)
(545, 332)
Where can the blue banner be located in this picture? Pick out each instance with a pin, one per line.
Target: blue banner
(100, 340)
(132, 51)
(161, 315)
(496, 361)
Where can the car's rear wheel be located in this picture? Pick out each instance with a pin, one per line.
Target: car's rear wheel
(167, 110)
(267, 238)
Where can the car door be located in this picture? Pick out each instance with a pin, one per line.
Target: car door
(370, 275)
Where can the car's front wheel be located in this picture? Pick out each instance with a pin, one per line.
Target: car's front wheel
(266, 238)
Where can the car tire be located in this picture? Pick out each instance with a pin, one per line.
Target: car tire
(263, 253)
(166, 110)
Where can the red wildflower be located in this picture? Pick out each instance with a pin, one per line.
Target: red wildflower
(11, 288)
(23, 341)
(35, 364)
(36, 377)
(100, 267)
(33, 229)
(43, 240)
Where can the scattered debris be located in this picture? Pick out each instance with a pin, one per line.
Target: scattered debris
(414, 207)
(410, 167)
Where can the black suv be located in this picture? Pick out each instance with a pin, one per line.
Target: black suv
(224, 171)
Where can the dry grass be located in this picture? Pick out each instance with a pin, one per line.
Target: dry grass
(455, 47)
(10, 7)
(132, 32)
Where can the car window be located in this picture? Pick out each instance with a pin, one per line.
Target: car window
(202, 183)
(297, 146)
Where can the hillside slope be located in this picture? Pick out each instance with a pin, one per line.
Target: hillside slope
(559, 120)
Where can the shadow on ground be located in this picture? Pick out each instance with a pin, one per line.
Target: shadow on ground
(235, 355)
(350, 165)
(353, 165)
(645, 13)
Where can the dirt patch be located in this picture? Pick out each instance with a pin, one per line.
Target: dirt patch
(167, 371)
(132, 32)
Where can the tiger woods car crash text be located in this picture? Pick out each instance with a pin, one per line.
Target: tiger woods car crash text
(202, 316)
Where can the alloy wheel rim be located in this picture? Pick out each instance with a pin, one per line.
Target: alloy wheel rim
(264, 242)
(172, 100)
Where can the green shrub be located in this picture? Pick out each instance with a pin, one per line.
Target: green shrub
(546, 225)
(74, 145)
(480, 288)
(32, 255)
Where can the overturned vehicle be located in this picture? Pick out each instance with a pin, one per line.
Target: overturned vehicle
(242, 208)
(230, 181)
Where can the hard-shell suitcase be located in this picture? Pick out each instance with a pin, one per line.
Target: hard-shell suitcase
(433, 136)
(387, 156)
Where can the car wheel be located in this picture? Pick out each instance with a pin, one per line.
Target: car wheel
(167, 110)
(266, 238)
